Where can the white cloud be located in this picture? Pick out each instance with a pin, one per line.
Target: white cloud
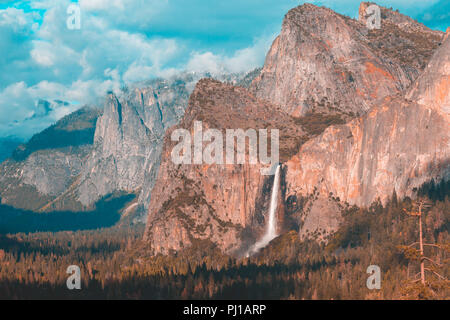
(93, 5)
(15, 18)
(138, 72)
(242, 60)
(43, 55)
(18, 103)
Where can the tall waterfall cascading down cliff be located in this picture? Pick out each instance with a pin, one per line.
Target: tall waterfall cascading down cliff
(271, 231)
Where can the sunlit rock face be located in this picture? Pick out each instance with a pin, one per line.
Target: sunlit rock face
(433, 87)
(398, 145)
(324, 61)
(321, 64)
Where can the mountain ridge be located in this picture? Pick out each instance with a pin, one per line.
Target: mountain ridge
(322, 56)
(312, 180)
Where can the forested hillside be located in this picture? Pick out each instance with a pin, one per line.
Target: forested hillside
(114, 263)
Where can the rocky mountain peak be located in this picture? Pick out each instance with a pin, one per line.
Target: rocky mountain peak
(322, 65)
(399, 145)
(327, 62)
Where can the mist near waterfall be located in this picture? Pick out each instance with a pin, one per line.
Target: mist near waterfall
(271, 230)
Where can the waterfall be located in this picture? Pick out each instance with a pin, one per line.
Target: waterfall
(271, 231)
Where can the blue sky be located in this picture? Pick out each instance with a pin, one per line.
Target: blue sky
(124, 41)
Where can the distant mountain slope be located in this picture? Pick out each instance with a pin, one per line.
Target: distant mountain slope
(75, 129)
(44, 167)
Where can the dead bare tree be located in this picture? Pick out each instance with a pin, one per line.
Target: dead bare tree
(412, 253)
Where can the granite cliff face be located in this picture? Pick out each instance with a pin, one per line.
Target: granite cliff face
(323, 61)
(128, 141)
(224, 203)
(398, 145)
